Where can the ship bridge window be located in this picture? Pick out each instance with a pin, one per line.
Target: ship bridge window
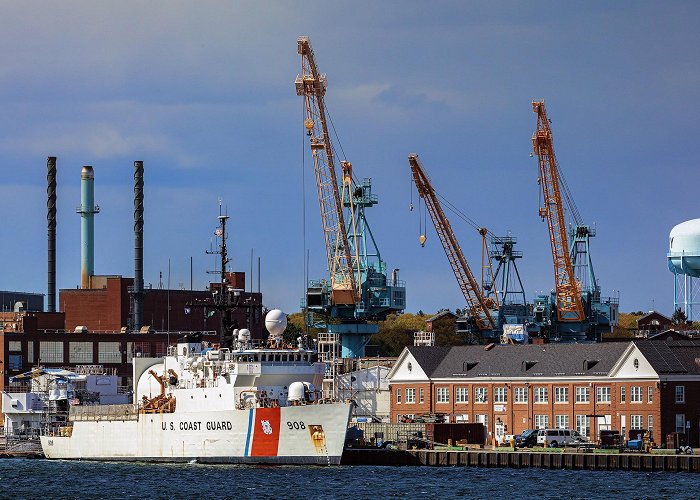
(277, 357)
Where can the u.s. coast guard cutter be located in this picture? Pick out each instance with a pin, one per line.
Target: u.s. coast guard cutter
(245, 404)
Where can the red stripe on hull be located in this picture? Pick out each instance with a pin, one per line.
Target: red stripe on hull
(266, 434)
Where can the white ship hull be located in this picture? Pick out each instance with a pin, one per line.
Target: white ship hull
(308, 434)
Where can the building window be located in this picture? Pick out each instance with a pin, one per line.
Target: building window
(622, 395)
(481, 394)
(583, 394)
(541, 395)
(561, 394)
(108, 352)
(636, 394)
(483, 419)
(14, 345)
(443, 395)
(410, 395)
(137, 350)
(51, 352)
(561, 421)
(521, 394)
(635, 422)
(650, 394)
(161, 349)
(602, 394)
(650, 425)
(30, 352)
(80, 352)
(462, 395)
(500, 395)
(398, 396)
(680, 394)
(541, 421)
(680, 422)
(583, 424)
(421, 394)
(14, 362)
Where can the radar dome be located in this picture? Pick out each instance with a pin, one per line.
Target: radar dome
(275, 322)
(243, 335)
(684, 248)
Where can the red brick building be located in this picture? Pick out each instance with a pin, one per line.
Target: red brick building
(587, 387)
(106, 307)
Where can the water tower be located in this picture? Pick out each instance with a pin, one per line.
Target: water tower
(684, 263)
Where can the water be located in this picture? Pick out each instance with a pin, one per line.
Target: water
(68, 479)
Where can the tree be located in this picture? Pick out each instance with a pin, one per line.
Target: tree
(396, 332)
(679, 317)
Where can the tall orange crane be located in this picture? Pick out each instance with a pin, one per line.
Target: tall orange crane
(311, 84)
(479, 307)
(569, 303)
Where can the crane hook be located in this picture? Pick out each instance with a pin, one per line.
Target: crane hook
(422, 239)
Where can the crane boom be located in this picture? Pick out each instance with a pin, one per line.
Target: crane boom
(568, 295)
(312, 86)
(477, 304)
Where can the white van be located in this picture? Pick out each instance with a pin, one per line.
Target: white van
(558, 437)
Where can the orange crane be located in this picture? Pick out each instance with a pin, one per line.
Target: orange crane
(342, 265)
(569, 303)
(478, 306)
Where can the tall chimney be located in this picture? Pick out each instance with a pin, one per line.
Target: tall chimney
(51, 219)
(87, 211)
(138, 245)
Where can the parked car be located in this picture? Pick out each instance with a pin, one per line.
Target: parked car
(558, 437)
(527, 439)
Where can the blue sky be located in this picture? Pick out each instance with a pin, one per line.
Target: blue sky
(203, 93)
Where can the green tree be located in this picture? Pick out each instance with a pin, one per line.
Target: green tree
(679, 317)
(396, 332)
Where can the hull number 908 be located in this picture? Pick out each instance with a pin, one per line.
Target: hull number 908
(296, 425)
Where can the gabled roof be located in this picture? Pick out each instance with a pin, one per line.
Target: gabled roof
(547, 360)
(653, 313)
(429, 357)
(675, 334)
(441, 314)
(677, 357)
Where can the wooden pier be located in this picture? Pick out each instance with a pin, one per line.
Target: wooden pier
(525, 459)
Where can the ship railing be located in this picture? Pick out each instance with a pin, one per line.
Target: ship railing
(103, 412)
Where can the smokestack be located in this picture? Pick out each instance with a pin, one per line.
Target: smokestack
(87, 211)
(51, 219)
(138, 245)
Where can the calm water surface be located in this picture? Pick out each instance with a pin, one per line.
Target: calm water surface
(67, 479)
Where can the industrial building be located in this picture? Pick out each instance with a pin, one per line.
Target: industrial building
(651, 385)
(21, 351)
(106, 307)
(21, 301)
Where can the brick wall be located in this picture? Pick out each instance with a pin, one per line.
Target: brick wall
(518, 416)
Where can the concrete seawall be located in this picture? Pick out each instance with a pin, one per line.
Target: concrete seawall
(525, 459)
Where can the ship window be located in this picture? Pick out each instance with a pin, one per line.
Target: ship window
(277, 357)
